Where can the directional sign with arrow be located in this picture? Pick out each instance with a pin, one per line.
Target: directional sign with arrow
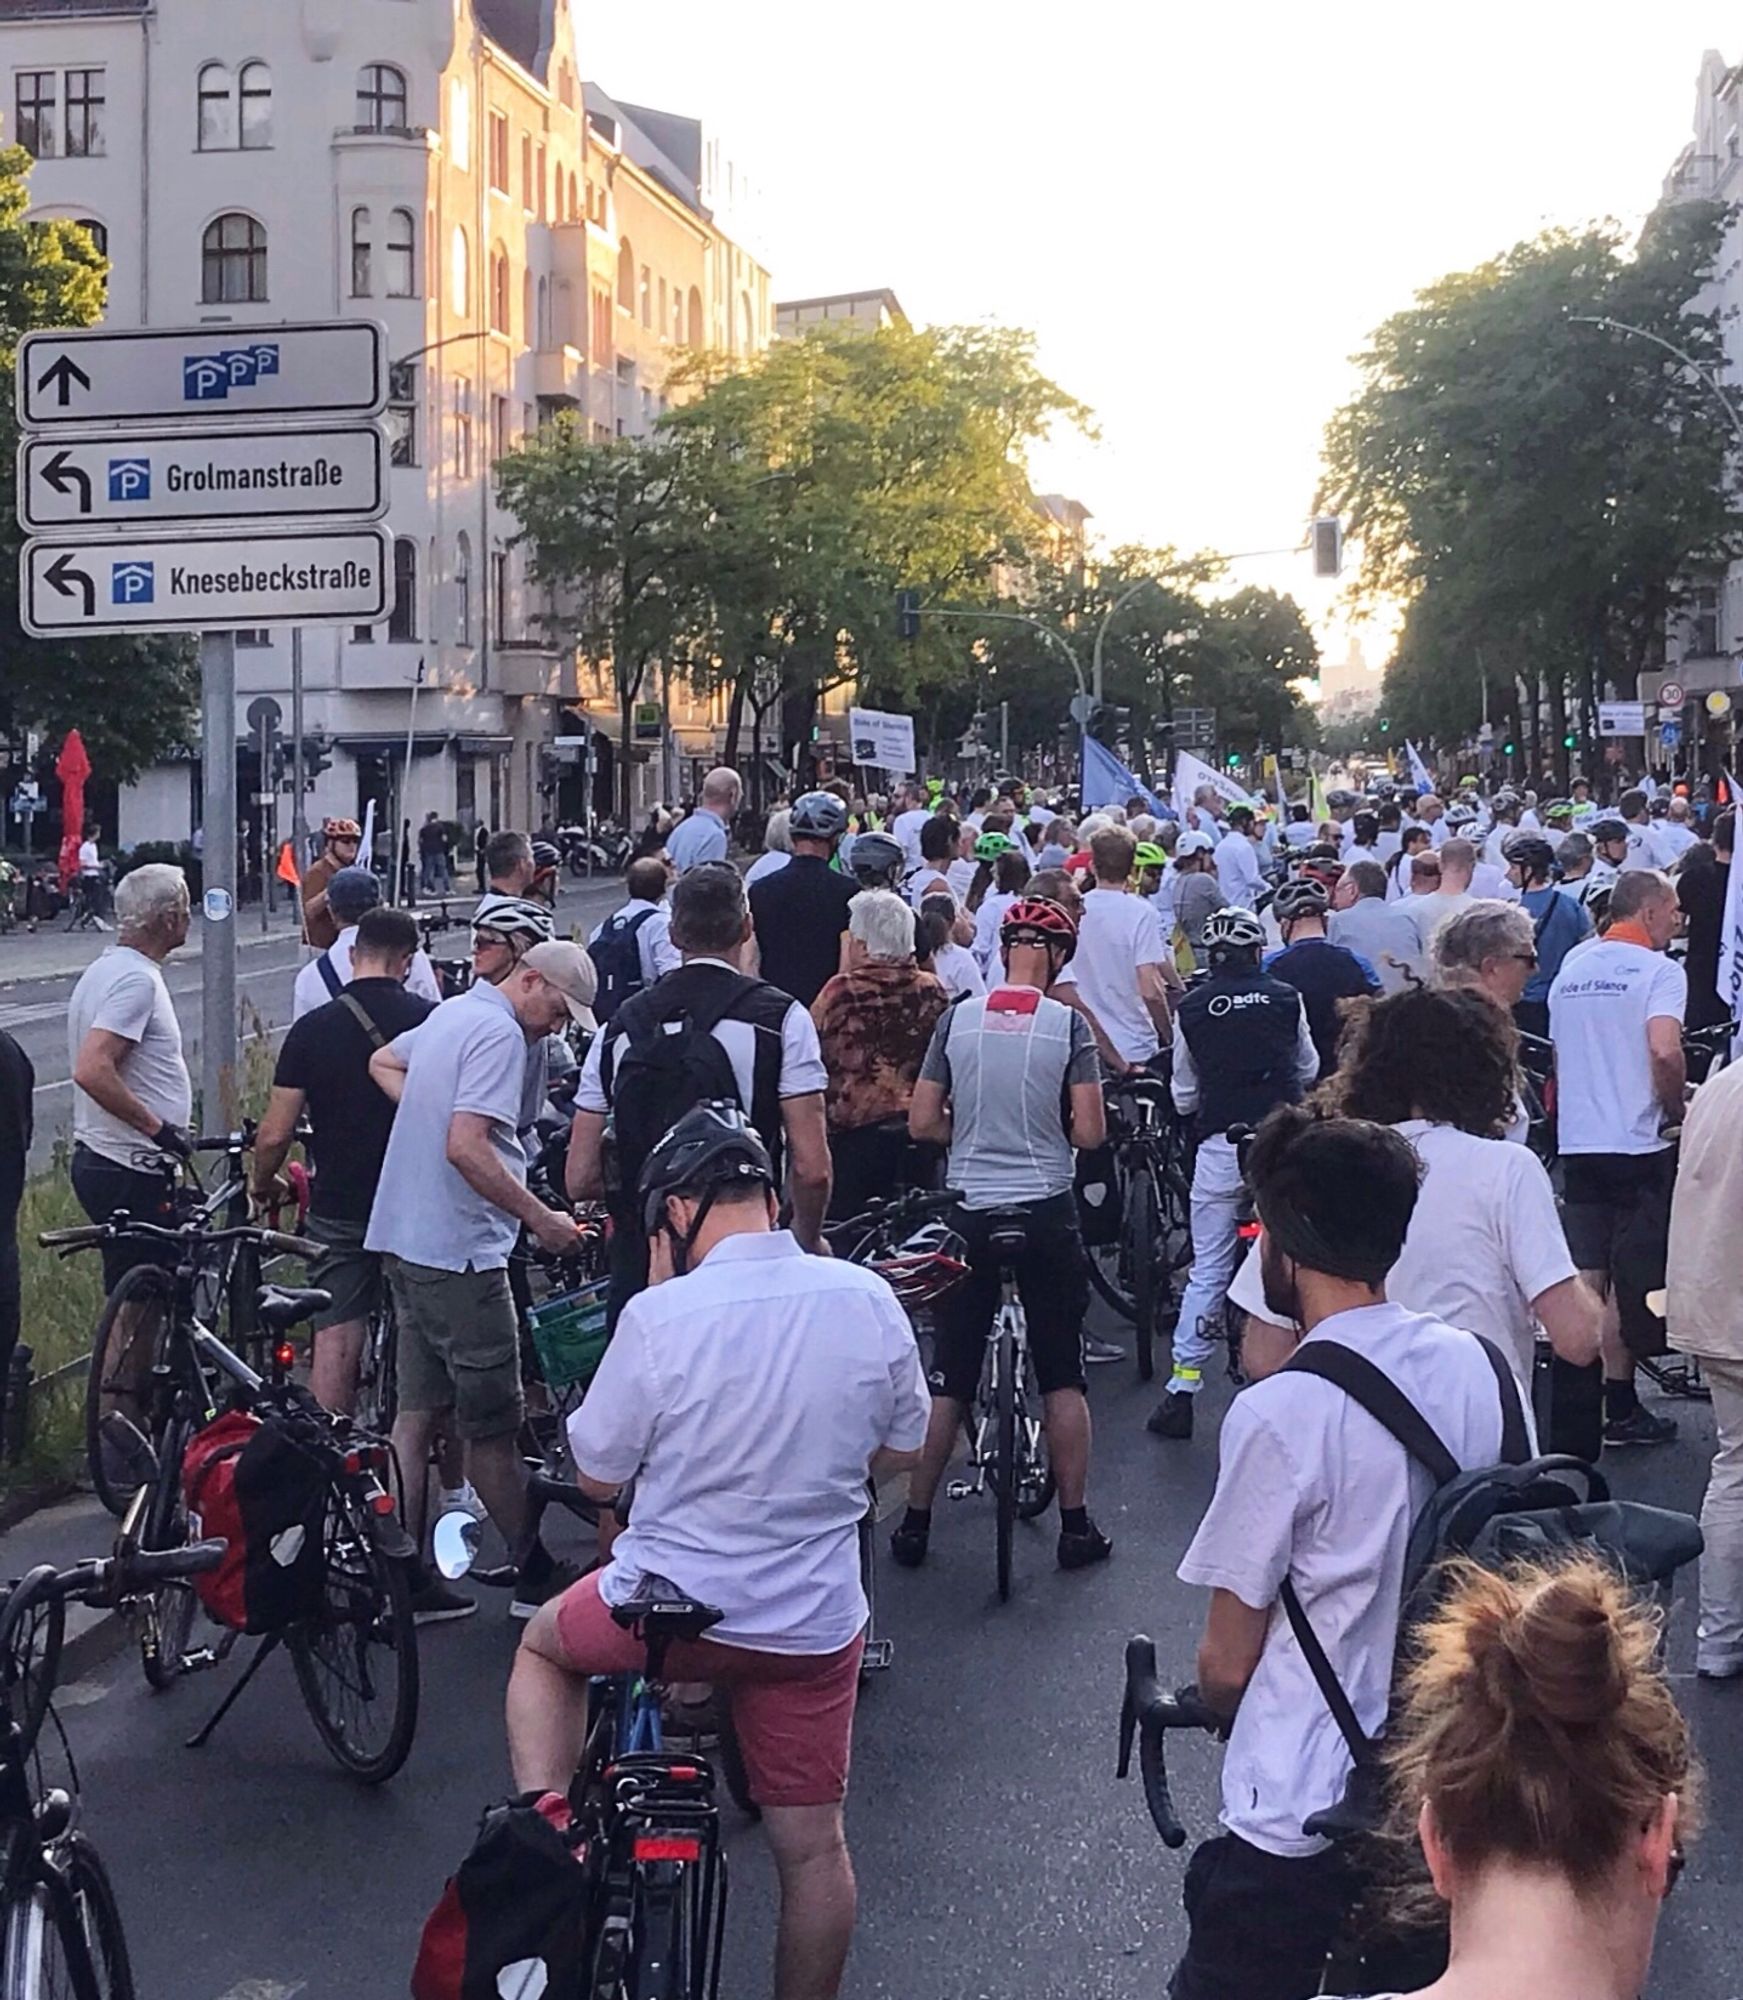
(151, 479)
(95, 377)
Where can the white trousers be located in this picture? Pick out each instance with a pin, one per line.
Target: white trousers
(1719, 1648)
(1216, 1244)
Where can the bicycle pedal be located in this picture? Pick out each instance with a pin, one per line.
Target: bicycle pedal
(878, 1657)
(959, 1489)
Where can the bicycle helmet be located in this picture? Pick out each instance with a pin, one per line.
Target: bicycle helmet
(1231, 930)
(1193, 842)
(875, 860)
(1303, 897)
(818, 816)
(713, 1146)
(925, 1268)
(990, 846)
(1149, 855)
(1340, 800)
(1529, 851)
(1608, 826)
(545, 857)
(1035, 920)
(515, 918)
(341, 829)
(1559, 812)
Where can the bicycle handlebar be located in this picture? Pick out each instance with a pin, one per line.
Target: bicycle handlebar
(1147, 1713)
(91, 1234)
(105, 1580)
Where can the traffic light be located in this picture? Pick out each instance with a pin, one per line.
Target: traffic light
(907, 614)
(317, 755)
(1328, 545)
(1570, 741)
(1506, 749)
(1106, 721)
(1385, 724)
(1233, 760)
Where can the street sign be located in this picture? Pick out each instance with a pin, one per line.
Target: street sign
(1621, 718)
(1671, 695)
(1194, 728)
(323, 368)
(324, 576)
(1718, 704)
(151, 479)
(1669, 735)
(264, 713)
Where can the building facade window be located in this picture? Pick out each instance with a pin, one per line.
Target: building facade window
(527, 321)
(217, 107)
(542, 328)
(463, 588)
(85, 106)
(462, 427)
(460, 124)
(499, 151)
(402, 620)
(626, 276)
(661, 322)
(540, 177)
(400, 252)
(233, 262)
(255, 100)
(696, 328)
(574, 199)
(499, 596)
(97, 231)
(460, 271)
(361, 246)
(526, 172)
(500, 441)
(381, 98)
(500, 281)
(37, 125)
(599, 331)
(402, 412)
(645, 298)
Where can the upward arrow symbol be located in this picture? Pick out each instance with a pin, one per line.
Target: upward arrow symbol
(60, 375)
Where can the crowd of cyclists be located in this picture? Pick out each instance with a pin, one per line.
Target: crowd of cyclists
(949, 991)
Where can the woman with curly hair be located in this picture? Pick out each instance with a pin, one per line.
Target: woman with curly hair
(1485, 1249)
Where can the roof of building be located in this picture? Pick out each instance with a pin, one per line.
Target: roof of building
(644, 149)
(524, 28)
(56, 10)
(1062, 508)
(883, 296)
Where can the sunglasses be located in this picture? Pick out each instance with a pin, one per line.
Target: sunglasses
(1524, 957)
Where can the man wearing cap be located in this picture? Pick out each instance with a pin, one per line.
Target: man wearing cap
(448, 1209)
(350, 893)
(340, 839)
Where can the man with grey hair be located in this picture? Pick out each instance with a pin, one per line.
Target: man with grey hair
(132, 1095)
(1488, 945)
(702, 836)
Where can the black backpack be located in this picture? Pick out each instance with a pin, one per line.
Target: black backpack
(1524, 1509)
(617, 958)
(512, 1918)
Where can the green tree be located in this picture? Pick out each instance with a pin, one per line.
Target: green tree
(131, 699)
(1538, 493)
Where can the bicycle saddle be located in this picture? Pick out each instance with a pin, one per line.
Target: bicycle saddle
(1007, 1232)
(662, 1610)
(280, 1306)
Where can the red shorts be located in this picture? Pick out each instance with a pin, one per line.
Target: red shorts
(793, 1711)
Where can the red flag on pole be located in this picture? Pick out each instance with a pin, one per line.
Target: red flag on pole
(287, 870)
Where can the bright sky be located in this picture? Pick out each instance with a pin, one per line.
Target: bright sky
(1200, 210)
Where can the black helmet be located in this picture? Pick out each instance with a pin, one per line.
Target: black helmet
(1607, 826)
(711, 1147)
(1529, 851)
(1301, 897)
(818, 816)
(875, 860)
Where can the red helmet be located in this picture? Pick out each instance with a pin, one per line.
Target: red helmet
(1032, 916)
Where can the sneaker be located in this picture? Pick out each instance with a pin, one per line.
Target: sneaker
(530, 1596)
(1718, 1670)
(437, 1603)
(1097, 1352)
(1079, 1551)
(1640, 1426)
(461, 1499)
(908, 1545)
(1172, 1417)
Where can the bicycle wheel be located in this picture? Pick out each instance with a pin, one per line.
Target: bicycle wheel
(1140, 1232)
(356, 1660)
(378, 1377)
(63, 1941)
(167, 1617)
(663, 1929)
(130, 1334)
(1005, 1448)
(32, 1628)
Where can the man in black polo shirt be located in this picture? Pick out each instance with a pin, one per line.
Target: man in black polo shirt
(800, 911)
(324, 1065)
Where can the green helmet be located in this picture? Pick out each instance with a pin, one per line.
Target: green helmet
(1149, 855)
(991, 845)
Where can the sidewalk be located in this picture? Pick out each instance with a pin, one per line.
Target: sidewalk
(63, 1534)
(57, 953)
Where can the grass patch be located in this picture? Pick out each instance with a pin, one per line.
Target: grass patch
(62, 1299)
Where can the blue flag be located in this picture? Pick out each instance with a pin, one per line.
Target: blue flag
(1418, 769)
(1107, 782)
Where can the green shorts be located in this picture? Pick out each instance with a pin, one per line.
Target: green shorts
(457, 1347)
(344, 1268)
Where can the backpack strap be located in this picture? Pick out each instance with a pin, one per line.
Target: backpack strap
(1383, 1400)
(1515, 1438)
(1361, 1745)
(329, 976)
(360, 1014)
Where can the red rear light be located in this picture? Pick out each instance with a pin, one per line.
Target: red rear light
(668, 1847)
(381, 1503)
(686, 1773)
(284, 1354)
(1250, 1232)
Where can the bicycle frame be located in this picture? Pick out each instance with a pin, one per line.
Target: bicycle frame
(979, 1422)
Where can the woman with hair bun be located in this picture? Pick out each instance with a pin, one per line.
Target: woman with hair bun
(1547, 1773)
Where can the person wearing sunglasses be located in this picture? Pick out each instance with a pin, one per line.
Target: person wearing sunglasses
(1489, 947)
(1547, 1771)
(1558, 923)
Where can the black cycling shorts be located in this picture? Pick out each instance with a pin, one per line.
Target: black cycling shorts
(1616, 1209)
(1052, 1281)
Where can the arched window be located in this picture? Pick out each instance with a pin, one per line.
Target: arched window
(499, 291)
(256, 103)
(527, 319)
(696, 334)
(463, 588)
(574, 199)
(459, 271)
(381, 100)
(217, 126)
(97, 231)
(626, 276)
(361, 246)
(402, 620)
(233, 262)
(661, 322)
(401, 251)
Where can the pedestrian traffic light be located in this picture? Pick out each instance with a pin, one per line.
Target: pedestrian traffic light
(317, 755)
(908, 614)
(1233, 760)
(1385, 724)
(1570, 741)
(1328, 545)
(1506, 749)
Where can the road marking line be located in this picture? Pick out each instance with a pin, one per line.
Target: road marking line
(265, 1989)
(271, 1035)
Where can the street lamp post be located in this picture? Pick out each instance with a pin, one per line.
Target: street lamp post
(1670, 347)
(1113, 611)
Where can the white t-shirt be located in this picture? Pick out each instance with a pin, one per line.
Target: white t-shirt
(1237, 870)
(960, 875)
(1429, 912)
(1599, 1006)
(765, 864)
(90, 861)
(1116, 935)
(1674, 840)
(906, 828)
(653, 942)
(1310, 1487)
(1300, 833)
(310, 990)
(955, 969)
(1645, 850)
(747, 1399)
(987, 919)
(1485, 1240)
(123, 992)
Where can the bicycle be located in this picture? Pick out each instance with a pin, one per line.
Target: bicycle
(61, 1936)
(1154, 1191)
(1146, 1713)
(645, 1827)
(355, 1657)
(1007, 1439)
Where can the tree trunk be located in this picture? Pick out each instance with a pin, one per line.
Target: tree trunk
(626, 776)
(1557, 689)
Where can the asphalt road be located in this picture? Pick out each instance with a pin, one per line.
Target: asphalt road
(997, 1857)
(38, 974)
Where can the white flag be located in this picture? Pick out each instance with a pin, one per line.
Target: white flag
(1730, 965)
(1191, 772)
(1418, 769)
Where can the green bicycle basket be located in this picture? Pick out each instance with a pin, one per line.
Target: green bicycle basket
(569, 1334)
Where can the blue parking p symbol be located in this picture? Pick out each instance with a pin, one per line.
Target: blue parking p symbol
(132, 583)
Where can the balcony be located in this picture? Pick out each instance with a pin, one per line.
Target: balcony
(560, 374)
(531, 667)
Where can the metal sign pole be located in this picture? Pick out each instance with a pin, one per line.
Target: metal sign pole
(218, 1051)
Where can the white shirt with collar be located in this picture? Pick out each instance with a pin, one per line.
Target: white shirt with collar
(310, 990)
(1238, 872)
(654, 940)
(906, 828)
(1310, 1487)
(747, 1399)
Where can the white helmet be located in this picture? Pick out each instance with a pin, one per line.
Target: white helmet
(1233, 929)
(514, 917)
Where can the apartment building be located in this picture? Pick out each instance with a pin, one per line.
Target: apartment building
(531, 247)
